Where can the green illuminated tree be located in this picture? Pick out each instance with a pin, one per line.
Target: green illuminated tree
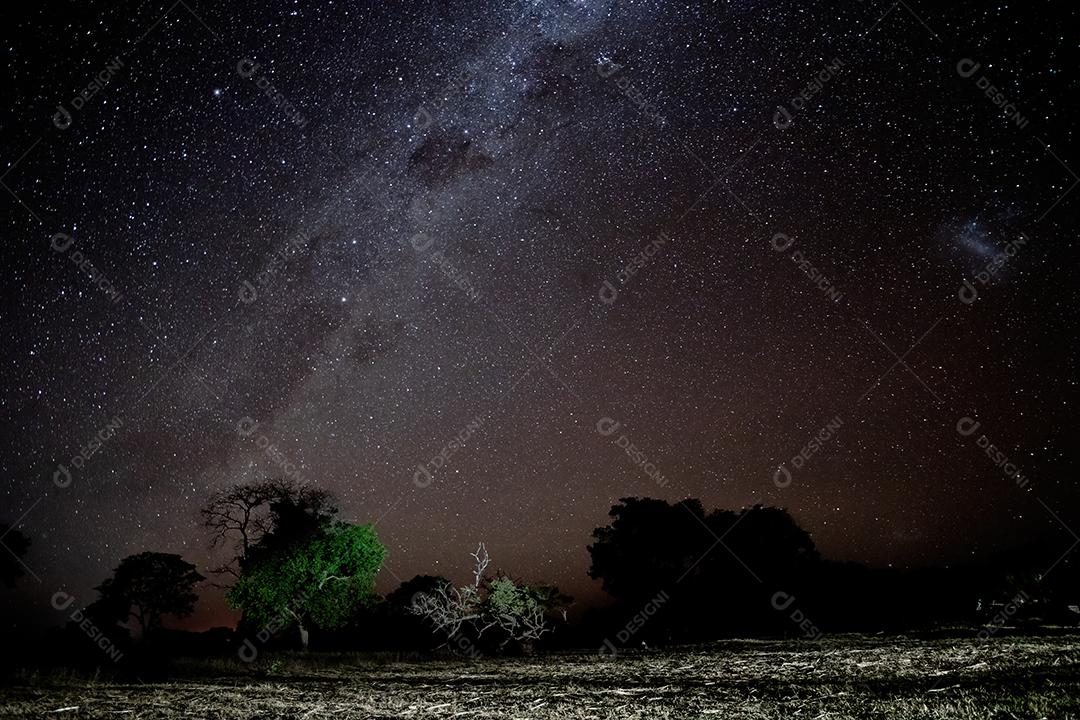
(320, 579)
(522, 612)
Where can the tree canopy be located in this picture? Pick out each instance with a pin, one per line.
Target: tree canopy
(322, 578)
(148, 586)
(720, 568)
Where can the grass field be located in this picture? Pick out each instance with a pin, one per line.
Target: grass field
(845, 677)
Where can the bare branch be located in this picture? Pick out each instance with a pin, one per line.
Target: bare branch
(482, 561)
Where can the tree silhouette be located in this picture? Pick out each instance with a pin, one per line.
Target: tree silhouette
(295, 517)
(393, 623)
(321, 578)
(246, 513)
(719, 569)
(400, 599)
(146, 587)
(11, 565)
(648, 547)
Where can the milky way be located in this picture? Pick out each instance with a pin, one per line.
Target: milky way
(481, 269)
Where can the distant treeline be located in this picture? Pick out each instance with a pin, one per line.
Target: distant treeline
(682, 574)
(676, 572)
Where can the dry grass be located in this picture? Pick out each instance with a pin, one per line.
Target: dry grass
(847, 677)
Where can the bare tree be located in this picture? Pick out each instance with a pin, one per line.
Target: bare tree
(448, 607)
(241, 514)
(244, 514)
(519, 612)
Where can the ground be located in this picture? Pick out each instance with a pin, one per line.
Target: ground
(845, 677)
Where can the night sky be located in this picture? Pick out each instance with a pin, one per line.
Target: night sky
(368, 234)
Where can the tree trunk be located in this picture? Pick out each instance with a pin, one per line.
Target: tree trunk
(303, 636)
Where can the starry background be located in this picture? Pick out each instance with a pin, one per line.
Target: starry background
(536, 148)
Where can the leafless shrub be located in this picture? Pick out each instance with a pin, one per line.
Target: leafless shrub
(518, 612)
